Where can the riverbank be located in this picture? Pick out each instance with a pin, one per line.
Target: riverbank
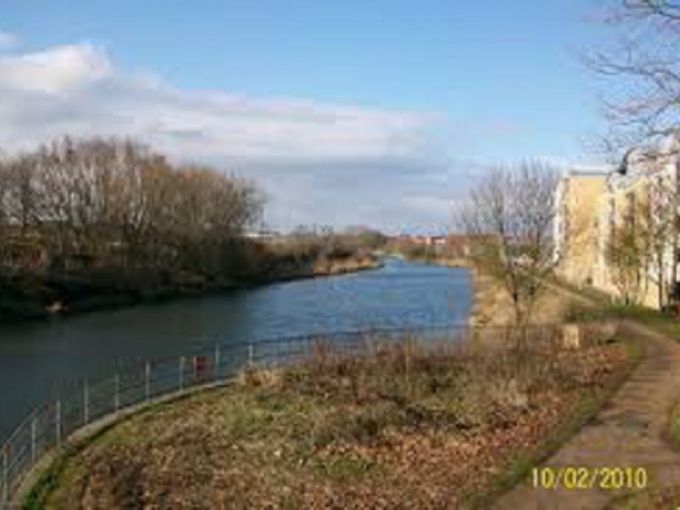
(403, 426)
(39, 297)
(492, 305)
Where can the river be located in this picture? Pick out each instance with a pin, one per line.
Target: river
(38, 357)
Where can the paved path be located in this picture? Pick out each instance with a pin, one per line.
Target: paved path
(626, 432)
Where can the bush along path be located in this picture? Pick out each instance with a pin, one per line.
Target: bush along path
(624, 446)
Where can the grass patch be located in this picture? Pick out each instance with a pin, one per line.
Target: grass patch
(344, 467)
(674, 426)
(601, 307)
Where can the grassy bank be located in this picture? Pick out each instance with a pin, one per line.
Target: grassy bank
(397, 426)
(665, 324)
(602, 306)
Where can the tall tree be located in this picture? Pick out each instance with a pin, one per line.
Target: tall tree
(509, 217)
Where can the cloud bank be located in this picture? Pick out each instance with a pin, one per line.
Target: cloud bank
(7, 40)
(317, 162)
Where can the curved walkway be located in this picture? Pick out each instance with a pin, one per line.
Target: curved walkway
(627, 432)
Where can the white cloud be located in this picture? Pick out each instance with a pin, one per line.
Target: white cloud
(318, 162)
(60, 70)
(8, 40)
(76, 89)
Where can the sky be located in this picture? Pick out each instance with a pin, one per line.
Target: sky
(379, 113)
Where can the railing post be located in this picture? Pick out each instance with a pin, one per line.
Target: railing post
(217, 362)
(116, 393)
(147, 380)
(181, 373)
(58, 422)
(33, 437)
(250, 354)
(5, 478)
(86, 403)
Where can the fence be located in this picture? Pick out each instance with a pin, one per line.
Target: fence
(50, 426)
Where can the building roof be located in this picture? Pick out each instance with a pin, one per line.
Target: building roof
(591, 170)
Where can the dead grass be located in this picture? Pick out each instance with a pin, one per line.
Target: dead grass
(394, 426)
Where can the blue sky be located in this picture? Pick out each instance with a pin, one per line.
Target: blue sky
(430, 89)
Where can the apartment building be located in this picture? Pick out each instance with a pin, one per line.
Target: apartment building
(578, 200)
(595, 205)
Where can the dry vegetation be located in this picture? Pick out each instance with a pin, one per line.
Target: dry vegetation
(397, 426)
(310, 251)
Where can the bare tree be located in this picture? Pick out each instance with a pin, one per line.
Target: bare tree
(630, 251)
(660, 221)
(640, 70)
(509, 216)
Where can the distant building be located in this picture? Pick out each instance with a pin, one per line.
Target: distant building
(423, 240)
(262, 235)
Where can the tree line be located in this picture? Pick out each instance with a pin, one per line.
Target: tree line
(75, 205)
(91, 222)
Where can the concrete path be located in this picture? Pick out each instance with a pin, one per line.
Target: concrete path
(627, 432)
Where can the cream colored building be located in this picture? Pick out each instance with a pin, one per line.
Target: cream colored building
(593, 205)
(578, 200)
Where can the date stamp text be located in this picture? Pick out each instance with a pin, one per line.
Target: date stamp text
(580, 478)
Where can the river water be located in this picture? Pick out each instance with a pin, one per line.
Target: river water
(36, 358)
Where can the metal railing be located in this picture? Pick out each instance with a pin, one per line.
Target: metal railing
(51, 425)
